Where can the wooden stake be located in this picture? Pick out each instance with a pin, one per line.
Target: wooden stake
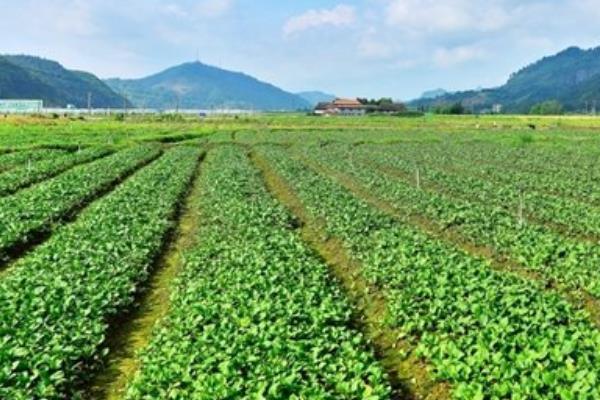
(521, 207)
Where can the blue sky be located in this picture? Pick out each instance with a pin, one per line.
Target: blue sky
(396, 48)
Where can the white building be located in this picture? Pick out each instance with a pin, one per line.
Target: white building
(16, 106)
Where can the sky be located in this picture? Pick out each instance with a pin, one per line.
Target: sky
(351, 48)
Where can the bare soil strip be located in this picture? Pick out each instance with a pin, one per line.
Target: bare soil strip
(408, 374)
(130, 333)
(579, 298)
(35, 239)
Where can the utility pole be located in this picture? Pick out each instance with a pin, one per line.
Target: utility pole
(89, 103)
(124, 103)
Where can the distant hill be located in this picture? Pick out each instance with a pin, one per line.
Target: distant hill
(200, 86)
(316, 97)
(571, 77)
(434, 94)
(28, 77)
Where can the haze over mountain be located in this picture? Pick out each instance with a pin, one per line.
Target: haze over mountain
(199, 86)
(571, 77)
(28, 77)
(315, 97)
(434, 94)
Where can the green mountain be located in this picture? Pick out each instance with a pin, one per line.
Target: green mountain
(199, 86)
(316, 97)
(28, 77)
(571, 77)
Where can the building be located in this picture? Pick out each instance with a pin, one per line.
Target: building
(341, 107)
(9, 106)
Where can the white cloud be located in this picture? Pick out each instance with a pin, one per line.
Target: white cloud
(435, 17)
(371, 47)
(72, 17)
(449, 57)
(201, 9)
(341, 15)
(214, 8)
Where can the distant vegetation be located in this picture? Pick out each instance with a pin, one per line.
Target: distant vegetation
(450, 109)
(382, 105)
(550, 107)
(27, 77)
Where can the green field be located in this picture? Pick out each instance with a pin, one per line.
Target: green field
(292, 257)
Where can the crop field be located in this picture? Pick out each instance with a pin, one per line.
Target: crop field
(295, 257)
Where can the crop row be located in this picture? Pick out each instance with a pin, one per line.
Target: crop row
(490, 335)
(563, 172)
(33, 211)
(56, 301)
(254, 314)
(572, 216)
(26, 175)
(569, 261)
(17, 158)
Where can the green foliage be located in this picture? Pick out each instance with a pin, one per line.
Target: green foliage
(32, 172)
(456, 108)
(267, 321)
(489, 334)
(35, 210)
(484, 209)
(17, 158)
(56, 301)
(255, 312)
(550, 107)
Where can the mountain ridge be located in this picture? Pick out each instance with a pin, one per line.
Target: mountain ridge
(315, 97)
(196, 85)
(571, 77)
(31, 77)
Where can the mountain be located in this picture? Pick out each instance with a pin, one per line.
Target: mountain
(434, 94)
(316, 97)
(571, 77)
(200, 86)
(28, 77)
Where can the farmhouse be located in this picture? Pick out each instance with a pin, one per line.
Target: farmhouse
(341, 107)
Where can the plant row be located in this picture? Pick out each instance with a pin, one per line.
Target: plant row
(508, 192)
(17, 158)
(565, 172)
(254, 313)
(32, 212)
(555, 256)
(56, 301)
(15, 179)
(490, 335)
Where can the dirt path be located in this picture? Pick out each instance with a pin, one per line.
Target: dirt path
(408, 374)
(132, 332)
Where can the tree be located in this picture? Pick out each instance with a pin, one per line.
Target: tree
(454, 109)
(550, 107)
